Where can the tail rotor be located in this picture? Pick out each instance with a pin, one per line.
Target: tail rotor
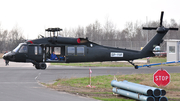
(161, 28)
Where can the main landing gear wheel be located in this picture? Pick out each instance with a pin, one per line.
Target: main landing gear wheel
(37, 66)
(41, 66)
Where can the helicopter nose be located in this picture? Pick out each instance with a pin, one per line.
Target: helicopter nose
(5, 56)
(8, 56)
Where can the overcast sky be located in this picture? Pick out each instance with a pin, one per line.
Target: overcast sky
(33, 16)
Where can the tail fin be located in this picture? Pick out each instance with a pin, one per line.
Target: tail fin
(147, 51)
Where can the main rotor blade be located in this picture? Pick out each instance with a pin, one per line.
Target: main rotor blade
(161, 19)
(173, 28)
(149, 28)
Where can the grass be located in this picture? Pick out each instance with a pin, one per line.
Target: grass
(112, 99)
(117, 64)
(95, 64)
(1, 54)
(103, 89)
(103, 81)
(157, 59)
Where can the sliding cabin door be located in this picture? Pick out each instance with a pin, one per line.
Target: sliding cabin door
(75, 53)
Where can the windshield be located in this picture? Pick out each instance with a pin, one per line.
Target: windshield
(17, 48)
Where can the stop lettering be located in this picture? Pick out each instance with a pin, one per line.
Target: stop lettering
(161, 78)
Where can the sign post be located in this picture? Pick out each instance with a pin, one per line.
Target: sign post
(90, 71)
(161, 78)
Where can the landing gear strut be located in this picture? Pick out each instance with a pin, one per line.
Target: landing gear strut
(135, 66)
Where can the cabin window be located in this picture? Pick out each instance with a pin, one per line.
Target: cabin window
(35, 50)
(40, 50)
(71, 50)
(23, 49)
(80, 50)
(57, 50)
(171, 49)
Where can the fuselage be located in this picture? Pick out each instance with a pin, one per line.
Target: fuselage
(85, 52)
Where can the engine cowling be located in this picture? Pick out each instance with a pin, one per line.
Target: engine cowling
(63, 40)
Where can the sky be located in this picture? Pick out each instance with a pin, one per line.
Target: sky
(32, 17)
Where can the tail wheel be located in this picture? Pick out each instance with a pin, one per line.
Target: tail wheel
(42, 66)
(136, 66)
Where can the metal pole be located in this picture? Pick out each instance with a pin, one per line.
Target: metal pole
(133, 95)
(156, 91)
(132, 87)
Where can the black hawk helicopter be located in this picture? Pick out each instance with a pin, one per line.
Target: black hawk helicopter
(38, 51)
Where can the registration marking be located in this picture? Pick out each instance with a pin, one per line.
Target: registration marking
(116, 54)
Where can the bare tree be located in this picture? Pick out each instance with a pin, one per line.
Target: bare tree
(9, 40)
(94, 31)
(3, 40)
(173, 34)
(109, 32)
(79, 32)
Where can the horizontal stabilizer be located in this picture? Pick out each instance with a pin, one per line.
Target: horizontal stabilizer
(173, 28)
(149, 28)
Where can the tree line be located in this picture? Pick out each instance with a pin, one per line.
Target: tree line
(10, 39)
(131, 37)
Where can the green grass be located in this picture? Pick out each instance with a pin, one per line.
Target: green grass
(117, 64)
(111, 64)
(95, 64)
(112, 99)
(104, 81)
(157, 59)
(103, 85)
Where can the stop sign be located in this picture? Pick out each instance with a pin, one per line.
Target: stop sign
(161, 77)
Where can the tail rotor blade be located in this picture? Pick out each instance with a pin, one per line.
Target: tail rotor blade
(173, 28)
(161, 19)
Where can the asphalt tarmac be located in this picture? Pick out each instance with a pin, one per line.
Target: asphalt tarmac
(21, 81)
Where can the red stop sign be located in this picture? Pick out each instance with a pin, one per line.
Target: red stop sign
(161, 77)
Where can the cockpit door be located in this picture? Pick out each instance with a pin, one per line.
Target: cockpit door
(22, 53)
(35, 53)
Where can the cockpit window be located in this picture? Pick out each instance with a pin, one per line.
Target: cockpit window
(23, 49)
(17, 48)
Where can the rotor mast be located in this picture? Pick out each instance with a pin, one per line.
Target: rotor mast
(53, 30)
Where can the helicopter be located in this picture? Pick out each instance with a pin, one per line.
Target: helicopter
(38, 51)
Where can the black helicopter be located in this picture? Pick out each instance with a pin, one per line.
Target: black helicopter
(38, 51)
